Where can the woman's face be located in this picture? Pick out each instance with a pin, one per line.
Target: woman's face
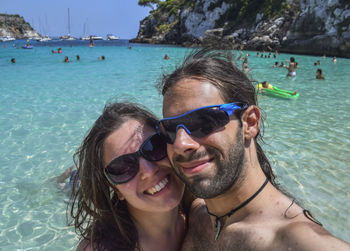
(155, 188)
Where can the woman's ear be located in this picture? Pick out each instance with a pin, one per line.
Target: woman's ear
(251, 122)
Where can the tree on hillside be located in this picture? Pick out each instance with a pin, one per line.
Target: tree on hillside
(148, 3)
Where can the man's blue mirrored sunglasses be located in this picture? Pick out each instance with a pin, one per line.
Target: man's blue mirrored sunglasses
(199, 122)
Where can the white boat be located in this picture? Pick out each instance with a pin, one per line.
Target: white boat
(91, 37)
(96, 37)
(7, 38)
(67, 37)
(37, 38)
(112, 37)
(44, 39)
(85, 38)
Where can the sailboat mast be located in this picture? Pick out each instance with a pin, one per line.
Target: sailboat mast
(68, 22)
(45, 31)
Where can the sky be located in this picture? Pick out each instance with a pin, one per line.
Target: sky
(95, 17)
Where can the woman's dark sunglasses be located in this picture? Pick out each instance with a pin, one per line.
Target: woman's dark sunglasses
(123, 168)
(199, 122)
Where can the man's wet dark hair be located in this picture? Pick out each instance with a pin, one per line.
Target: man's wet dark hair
(219, 69)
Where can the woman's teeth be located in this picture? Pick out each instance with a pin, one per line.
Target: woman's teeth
(158, 187)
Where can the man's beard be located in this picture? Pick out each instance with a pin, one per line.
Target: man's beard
(229, 171)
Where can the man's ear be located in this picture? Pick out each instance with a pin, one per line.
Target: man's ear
(251, 122)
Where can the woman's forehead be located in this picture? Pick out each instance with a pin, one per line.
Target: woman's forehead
(126, 139)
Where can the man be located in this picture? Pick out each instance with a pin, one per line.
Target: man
(211, 123)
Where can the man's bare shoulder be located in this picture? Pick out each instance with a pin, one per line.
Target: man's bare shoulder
(307, 235)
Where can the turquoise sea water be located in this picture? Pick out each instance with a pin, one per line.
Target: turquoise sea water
(47, 106)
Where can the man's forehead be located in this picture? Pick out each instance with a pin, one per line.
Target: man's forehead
(189, 94)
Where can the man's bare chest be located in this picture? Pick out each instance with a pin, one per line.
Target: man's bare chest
(202, 239)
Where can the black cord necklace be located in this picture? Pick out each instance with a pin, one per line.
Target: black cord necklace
(218, 224)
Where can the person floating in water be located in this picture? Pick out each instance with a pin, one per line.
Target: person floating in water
(78, 57)
(166, 57)
(59, 50)
(334, 60)
(319, 74)
(103, 57)
(66, 60)
(265, 85)
(66, 186)
(13, 60)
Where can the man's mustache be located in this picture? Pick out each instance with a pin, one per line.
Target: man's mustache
(210, 151)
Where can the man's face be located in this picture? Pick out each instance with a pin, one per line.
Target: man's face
(210, 165)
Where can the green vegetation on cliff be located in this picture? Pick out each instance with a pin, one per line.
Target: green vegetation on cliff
(165, 9)
(246, 10)
(169, 6)
(239, 11)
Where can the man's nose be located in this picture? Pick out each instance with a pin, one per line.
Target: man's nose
(184, 142)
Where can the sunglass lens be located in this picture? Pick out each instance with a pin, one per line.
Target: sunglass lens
(154, 148)
(211, 120)
(200, 123)
(123, 169)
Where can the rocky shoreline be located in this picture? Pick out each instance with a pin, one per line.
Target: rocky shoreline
(15, 26)
(304, 27)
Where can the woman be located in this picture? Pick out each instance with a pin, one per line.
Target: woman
(128, 197)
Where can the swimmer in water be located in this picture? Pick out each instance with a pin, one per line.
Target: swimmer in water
(292, 68)
(66, 186)
(319, 74)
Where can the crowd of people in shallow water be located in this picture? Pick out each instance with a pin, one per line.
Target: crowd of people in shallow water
(66, 59)
(290, 64)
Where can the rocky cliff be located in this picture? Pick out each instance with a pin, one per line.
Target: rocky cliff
(15, 26)
(298, 26)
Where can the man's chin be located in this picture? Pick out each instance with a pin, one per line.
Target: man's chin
(204, 188)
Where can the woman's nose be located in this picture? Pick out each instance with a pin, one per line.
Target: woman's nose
(148, 168)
